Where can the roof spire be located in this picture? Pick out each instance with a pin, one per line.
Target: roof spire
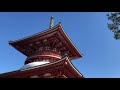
(51, 22)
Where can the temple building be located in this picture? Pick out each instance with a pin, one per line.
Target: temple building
(49, 54)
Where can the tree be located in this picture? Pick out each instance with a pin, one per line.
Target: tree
(114, 26)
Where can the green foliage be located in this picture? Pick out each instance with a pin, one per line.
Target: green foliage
(114, 26)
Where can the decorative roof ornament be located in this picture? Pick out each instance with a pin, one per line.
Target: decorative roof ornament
(51, 22)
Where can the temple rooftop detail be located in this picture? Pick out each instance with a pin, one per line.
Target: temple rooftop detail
(53, 38)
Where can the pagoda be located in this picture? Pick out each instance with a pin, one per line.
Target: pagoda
(49, 54)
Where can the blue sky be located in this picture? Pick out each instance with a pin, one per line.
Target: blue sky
(87, 30)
